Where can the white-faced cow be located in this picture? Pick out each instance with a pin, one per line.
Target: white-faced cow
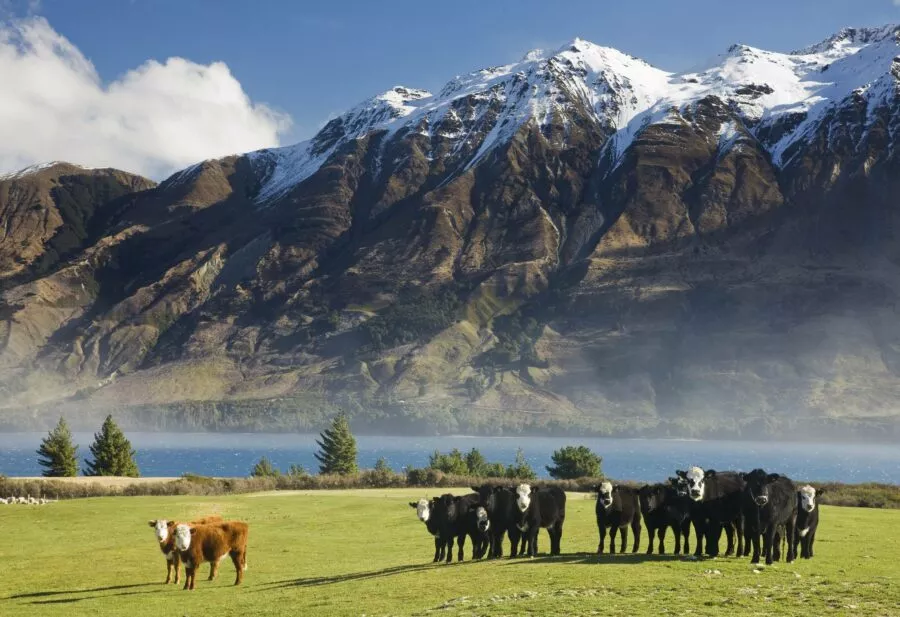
(540, 507)
(165, 535)
(618, 508)
(424, 509)
(807, 520)
(662, 507)
(715, 504)
(770, 502)
(503, 515)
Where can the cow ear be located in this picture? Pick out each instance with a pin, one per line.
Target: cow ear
(819, 492)
(709, 473)
(772, 477)
(681, 473)
(413, 504)
(673, 481)
(153, 523)
(745, 476)
(192, 530)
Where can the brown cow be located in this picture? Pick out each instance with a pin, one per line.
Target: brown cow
(165, 535)
(199, 543)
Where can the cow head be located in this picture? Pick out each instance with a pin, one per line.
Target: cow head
(650, 497)
(758, 483)
(523, 496)
(695, 479)
(807, 495)
(605, 494)
(680, 486)
(423, 509)
(161, 529)
(183, 537)
(482, 521)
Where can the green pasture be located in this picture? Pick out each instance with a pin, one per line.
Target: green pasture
(363, 552)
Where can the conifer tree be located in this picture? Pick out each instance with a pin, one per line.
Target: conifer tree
(337, 448)
(57, 454)
(112, 453)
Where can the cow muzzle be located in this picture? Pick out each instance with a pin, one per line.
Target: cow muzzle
(695, 493)
(606, 502)
(761, 500)
(484, 525)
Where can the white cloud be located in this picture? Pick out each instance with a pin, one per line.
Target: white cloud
(153, 120)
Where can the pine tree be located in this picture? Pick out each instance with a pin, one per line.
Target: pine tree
(57, 454)
(112, 453)
(337, 448)
(264, 469)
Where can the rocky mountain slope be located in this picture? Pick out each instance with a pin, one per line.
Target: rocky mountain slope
(577, 241)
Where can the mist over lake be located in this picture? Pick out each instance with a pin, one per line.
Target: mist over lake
(233, 454)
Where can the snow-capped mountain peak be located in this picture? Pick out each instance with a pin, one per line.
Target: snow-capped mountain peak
(480, 110)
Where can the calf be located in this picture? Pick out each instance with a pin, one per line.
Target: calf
(199, 543)
(807, 520)
(500, 504)
(458, 517)
(770, 502)
(663, 507)
(715, 504)
(544, 507)
(165, 535)
(617, 508)
(424, 509)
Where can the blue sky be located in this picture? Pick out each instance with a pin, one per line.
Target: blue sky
(311, 60)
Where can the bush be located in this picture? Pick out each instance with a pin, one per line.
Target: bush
(521, 470)
(264, 469)
(574, 462)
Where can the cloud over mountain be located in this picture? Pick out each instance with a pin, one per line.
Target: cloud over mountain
(152, 120)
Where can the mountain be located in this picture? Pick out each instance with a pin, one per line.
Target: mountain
(576, 242)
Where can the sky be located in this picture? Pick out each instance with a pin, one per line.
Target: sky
(152, 86)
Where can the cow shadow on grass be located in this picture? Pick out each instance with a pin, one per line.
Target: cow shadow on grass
(594, 558)
(82, 594)
(360, 576)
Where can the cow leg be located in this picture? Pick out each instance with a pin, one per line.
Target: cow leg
(776, 545)
(533, 541)
(555, 538)
(213, 569)
(188, 577)
(809, 549)
(714, 533)
(623, 533)
(754, 539)
(176, 564)
(661, 533)
(686, 532)
(729, 535)
(789, 533)
(461, 543)
(612, 539)
(448, 549)
(602, 540)
(169, 572)
(651, 533)
(768, 541)
(699, 531)
(237, 558)
(636, 531)
(739, 531)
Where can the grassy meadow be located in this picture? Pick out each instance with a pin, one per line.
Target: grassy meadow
(363, 552)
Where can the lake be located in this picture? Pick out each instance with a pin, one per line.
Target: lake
(645, 460)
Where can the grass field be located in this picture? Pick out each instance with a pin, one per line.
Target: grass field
(363, 552)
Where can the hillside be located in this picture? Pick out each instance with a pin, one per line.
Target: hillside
(575, 242)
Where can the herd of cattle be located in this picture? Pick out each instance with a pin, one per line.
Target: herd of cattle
(747, 506)
(205, 539)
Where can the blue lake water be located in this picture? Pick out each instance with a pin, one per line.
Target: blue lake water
(231, 454)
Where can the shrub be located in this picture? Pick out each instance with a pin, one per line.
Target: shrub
(264, 469)
(574, 462)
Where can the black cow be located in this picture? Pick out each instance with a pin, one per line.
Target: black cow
(807, 520)
(453, 520)
(662, 507)
(716, 504)
(500, 504)
(540, 507)
(770, 502)
(425, 510)
(475, 523)
(617, 508)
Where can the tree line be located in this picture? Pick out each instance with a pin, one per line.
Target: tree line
(112, 455)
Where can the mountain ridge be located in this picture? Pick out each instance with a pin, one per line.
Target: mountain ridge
(578, 234)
